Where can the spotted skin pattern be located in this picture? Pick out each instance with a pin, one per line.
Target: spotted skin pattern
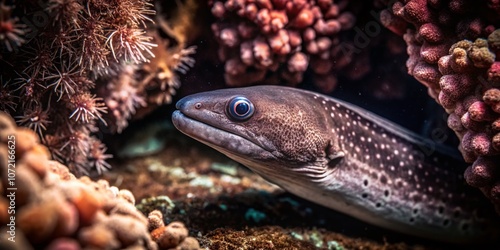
(345, 158)
(389, 172)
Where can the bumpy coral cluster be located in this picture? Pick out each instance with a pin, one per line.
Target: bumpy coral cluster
(272, 40)
(45, 206)
(453, 49)
(70, 71)
(171, 236)
(470, 90)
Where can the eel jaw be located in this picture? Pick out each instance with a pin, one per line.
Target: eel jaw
(238, 148)
(230, 144)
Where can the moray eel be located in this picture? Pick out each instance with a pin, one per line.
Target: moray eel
(343, 157)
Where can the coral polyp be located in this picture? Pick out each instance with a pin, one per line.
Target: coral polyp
(8, 103)
(12, 32)
(130, 44)
(98, 157)
(36, 119)
(63, 80)
(86, 108)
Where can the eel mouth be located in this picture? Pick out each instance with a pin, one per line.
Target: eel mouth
(226, 142)
(235, 147)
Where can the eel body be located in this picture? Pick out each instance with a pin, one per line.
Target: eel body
(343, 157)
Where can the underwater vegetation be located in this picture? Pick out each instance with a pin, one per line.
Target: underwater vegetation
(73, 70)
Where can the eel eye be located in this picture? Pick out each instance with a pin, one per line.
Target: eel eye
(240, 108)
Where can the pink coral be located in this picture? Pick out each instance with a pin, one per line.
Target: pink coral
(434, 30)
(470, 95)
(453, 50)
(262, 41)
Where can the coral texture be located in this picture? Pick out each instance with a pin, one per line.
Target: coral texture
(453, 49)
(171, 236)
(273, 40)
(70, 71)
(53, 208)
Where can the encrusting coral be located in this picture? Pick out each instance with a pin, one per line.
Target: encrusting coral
(70, 68)
(274, 39)
(453, 49)
(171, 236)
(53, 208)
(470, 92)
(56, 210)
